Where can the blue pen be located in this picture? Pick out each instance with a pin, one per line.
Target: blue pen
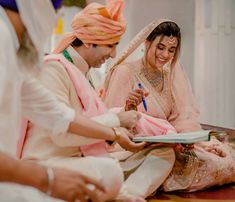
(143, 100)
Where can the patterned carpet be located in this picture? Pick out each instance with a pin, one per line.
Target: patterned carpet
(216, 194)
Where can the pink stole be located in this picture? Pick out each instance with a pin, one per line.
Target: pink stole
(93, 106)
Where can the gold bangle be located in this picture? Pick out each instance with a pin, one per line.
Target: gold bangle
(117, 136)
(116, 133)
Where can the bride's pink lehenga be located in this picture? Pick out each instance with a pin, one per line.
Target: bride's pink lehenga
(195, 169)
(201, 169)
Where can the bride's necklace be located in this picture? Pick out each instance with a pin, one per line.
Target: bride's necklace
(155, 77)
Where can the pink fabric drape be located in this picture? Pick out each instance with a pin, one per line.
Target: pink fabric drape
(96, 24)
(185, 116)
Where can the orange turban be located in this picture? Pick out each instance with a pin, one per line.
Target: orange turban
(96, 24)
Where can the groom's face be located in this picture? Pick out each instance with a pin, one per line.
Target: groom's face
(101, 53)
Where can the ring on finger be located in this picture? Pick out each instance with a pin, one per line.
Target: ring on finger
(91, 187)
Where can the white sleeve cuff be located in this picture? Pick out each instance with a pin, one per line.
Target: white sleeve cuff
(108, 119)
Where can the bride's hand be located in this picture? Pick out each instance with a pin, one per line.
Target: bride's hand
(134, 98)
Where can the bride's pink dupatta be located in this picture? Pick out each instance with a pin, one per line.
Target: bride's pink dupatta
(93, 106)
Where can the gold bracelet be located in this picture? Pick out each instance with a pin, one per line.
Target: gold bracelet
(117, 136)
(116, 133)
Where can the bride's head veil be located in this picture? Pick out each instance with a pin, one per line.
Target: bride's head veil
(180, 85)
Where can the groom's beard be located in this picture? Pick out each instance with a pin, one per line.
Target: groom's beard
(28, 56)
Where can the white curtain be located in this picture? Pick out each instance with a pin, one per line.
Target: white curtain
(214, 72)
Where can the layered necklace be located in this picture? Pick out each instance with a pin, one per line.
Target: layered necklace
(154, 76)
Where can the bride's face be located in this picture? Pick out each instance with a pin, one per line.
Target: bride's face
(161, 51)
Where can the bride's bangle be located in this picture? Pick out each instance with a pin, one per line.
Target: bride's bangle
(50, 177)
